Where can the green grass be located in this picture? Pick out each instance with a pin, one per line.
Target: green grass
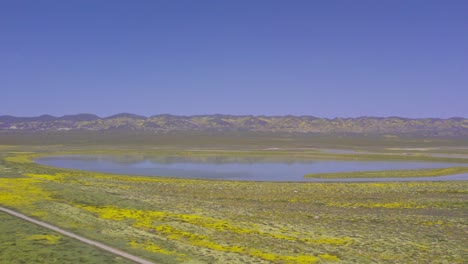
(199, 221)
(231, 140)
(391, 173)
(23, 242)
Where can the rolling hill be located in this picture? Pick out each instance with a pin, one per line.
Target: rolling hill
(451, 127)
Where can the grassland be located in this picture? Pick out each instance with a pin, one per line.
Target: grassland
(23, 242)
(391, 173)
(198, 221)
(230, 140)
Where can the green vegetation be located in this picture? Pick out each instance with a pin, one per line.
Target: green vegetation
(116, 139)
(23, 242)
(199, 221)
(391, 173)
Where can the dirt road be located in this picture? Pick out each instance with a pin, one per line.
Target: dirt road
(77, 237)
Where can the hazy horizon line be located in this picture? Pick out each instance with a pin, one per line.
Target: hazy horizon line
(236, 115)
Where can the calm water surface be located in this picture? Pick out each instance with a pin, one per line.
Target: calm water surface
(257, 169)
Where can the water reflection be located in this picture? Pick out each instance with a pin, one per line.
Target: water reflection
(252, 168)
(134, 159)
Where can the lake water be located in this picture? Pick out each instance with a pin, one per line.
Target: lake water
(245, 169)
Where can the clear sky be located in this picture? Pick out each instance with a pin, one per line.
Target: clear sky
(263, 57)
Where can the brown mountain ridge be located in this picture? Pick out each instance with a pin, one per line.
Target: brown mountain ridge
(456, 126)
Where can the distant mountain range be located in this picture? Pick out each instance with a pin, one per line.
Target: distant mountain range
(457, 127)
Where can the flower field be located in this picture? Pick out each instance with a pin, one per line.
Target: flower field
(199, 221)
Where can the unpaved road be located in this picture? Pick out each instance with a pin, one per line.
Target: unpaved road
(77, 237)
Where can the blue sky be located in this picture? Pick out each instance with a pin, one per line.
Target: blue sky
(262, 57)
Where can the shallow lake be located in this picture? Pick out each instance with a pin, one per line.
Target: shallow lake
(245, 169)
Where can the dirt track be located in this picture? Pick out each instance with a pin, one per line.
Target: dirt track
(77, 237)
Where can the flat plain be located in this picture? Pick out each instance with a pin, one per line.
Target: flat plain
(23, 242)
(170, 220)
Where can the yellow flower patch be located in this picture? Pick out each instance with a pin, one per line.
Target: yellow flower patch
(47, 239)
